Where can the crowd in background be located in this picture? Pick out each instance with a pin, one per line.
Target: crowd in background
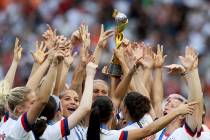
(173, 23)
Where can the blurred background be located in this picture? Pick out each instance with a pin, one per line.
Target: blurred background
(172, 23)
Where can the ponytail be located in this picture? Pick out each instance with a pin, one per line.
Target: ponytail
(39, 127)
(47, 114)
(93, 132)
(101, 113)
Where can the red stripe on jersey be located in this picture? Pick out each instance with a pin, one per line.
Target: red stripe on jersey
(189, 131)
(199, 132)
(123, 135)
(24, 122)
(62, 128)
(5, 118)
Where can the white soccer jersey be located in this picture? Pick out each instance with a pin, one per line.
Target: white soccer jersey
(161, 135)
(4, 118)
(184, 133)
(146, 120)
(20, 130)
(113, 135)
(58, 131)
(205, 128)
(6, 126)
(79, 132)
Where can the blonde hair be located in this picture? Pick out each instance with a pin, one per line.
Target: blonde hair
(17, 96)
(100, 81)
(65, 91)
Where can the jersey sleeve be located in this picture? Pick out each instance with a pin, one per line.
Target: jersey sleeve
(21, 128)
(183, 133)
(57, 130)
(123, 135)
(5, 117)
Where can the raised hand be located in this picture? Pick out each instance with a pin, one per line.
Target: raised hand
(61, 42)
(49, 37)
(190, 60)
(39, 54)
(130, 59)
(119, 54)
(69, 57)
(91, 68)
(148, 58)
(188, 108)
(76, 37)
(137, 64)
(17, 50)
(85, 35)
(138, 49)
(175, 69)
(57, 57)
(159, 59)
(84, 54)
(104, 36)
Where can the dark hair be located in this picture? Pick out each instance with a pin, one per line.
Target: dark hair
(2, 110)
(47, 114)
(204, 112)
(137, 105)
(101, 113)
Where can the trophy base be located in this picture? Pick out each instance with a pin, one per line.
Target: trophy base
(112, 69)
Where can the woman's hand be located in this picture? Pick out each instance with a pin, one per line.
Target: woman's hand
(40, 52)
(184, 109)
(159, 58)
(104, 36)
(17, 50)
(190, 60)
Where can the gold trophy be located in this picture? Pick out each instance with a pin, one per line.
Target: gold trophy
(121, 20)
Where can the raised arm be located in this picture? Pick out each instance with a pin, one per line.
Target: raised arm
(40, 66)
(138, 50)
(148, 62)
(161, 122)
(86, 100)
(190, 62)
(190, 72)
(10, 76)
(122, 88)
(79, 72)
(157, 89)
(104, 36)
(78, 78)
(64, 68)
(45, 89)
(35, 78)
(38, 56)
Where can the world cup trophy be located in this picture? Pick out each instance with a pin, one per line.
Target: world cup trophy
(121, 21)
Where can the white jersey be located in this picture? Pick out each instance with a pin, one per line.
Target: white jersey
(184, 133)
(4, 118)
(113, 135)
(6, 126)
(205, 128)
(79, 132)
(146, 120)
(20, 129)
(58, 131)
(161, 135)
